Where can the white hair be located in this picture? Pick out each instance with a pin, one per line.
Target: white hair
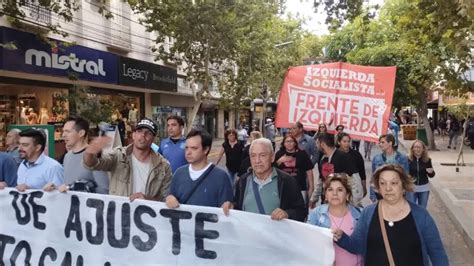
(263, 141)
(15, 130)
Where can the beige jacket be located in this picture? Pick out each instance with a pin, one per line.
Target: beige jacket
(119, 164)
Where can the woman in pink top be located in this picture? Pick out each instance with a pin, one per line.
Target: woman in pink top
(338, 213)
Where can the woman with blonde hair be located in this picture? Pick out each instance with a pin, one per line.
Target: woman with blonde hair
(421, 169)
(338, 213)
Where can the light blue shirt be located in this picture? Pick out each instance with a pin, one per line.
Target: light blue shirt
(44, 170)
(174, 152)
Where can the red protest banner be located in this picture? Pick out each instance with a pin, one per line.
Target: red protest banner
(358, 97)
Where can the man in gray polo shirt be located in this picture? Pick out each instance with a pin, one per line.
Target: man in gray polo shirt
(268, 190)
(76, 177)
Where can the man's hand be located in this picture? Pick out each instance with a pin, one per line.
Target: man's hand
(137, 195)
(96, 145)
(3, 185)
(226, 206)
(49, 187)
(279, 214)
(22, 187)
(172, 202)
(63, 188)
(312, 204)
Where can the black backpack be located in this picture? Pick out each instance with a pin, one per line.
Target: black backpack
(455, 125)
(470, 125)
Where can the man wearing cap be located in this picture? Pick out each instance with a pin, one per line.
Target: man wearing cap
(135, 170)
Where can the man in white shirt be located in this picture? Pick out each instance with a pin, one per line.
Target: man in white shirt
(136, 171)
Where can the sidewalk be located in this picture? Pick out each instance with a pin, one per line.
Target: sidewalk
(216, 147)
(454, 185)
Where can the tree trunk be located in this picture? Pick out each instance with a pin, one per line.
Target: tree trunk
(422, 111)
(192, 115)
(199, 94)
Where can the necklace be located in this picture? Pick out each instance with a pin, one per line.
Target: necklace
(342, 220)
(391, 223)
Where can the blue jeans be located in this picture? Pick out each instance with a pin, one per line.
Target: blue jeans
(232, 176)
(420, 198)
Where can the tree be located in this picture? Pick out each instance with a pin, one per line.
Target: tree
(265, 55)
(428, 41)
(341, 11)
(205, 36)
(462, 111)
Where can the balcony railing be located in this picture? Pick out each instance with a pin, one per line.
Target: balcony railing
(36, 12)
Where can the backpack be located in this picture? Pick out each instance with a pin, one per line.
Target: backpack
(455, 125)
(470, 125)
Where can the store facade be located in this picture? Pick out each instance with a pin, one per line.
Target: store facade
(37, 78)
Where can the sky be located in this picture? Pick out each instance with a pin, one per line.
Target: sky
(315, 21)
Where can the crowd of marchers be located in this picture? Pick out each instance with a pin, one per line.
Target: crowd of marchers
(396, 229)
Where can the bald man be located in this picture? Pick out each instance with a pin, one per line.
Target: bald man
(13, 143)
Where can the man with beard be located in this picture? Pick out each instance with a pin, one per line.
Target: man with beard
(136, 171)
(76, 177)
(37, 169)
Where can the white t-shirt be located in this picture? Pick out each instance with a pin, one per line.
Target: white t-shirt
(196, 174)
(140, 174)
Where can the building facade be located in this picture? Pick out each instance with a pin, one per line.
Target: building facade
(110, 57)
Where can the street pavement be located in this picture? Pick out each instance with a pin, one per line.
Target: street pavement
(451, 202)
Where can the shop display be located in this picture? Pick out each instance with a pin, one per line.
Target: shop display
(7, 116)
(133, 115)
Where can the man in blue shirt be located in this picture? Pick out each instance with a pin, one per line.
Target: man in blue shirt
(8, 168)
(305, 142)
(200, 183)
(172, 148)
(12, 142)
(37, 169)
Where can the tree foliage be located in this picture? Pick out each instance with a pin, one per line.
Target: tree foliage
(240, 45)
(429, 42)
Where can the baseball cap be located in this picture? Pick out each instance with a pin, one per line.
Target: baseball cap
(269, 120)
(147, 123)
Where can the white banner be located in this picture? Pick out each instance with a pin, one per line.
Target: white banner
(50, 228)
